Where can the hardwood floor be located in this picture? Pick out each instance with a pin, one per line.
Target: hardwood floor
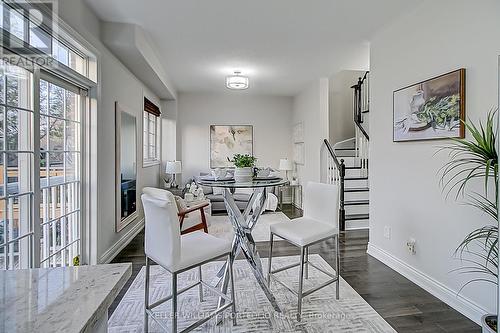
(404, 305)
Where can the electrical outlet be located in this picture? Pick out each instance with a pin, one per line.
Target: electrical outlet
(410, 245)
(387, 232)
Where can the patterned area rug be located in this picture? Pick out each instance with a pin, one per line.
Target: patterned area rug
(221, 227)
(321, 311)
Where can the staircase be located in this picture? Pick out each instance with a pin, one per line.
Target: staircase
(347, 164)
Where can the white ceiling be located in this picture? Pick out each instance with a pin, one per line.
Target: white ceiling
(282, 45)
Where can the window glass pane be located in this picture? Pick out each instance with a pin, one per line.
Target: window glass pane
(60, 52)
(18, 87)
(44, 143)
(18, 173)
(2, 110)
(72, 106)
(2, 83)
(71, 166)
(18, 129)
(72, 135)
(56, 134)
(56, 100)
(77, 62)
(56, 168)
(39, 38)
(44, 92)
(16, 24)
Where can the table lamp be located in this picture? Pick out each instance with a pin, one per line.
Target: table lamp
(286, 165)
(173, 168)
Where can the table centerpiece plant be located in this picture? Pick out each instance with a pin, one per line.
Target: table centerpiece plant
(472, 160)
(244, 165)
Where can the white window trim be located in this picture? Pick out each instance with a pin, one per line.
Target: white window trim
(149, 162)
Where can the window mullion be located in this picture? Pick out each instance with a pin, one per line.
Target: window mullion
(36, 169)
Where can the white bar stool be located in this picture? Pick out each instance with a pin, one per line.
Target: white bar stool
(175, 253)
(319, 223)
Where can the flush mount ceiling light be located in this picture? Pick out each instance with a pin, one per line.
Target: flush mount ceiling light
(237, 81)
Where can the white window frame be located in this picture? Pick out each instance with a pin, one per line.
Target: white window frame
(87, 81)
(147, 158)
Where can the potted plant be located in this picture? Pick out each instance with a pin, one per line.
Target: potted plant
(244, 165)
(471, 160)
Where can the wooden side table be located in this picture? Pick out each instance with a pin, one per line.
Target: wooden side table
(294, 189)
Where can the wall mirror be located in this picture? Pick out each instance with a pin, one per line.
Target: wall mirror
(126, 166)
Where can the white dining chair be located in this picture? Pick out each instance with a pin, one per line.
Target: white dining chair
(319, 223)
(178, 253)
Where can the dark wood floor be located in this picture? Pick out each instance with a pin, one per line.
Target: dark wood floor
(404, 305)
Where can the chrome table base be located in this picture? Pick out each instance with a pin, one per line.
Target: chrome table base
(243, 224)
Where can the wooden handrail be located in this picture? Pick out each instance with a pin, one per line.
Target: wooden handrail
(357, 105)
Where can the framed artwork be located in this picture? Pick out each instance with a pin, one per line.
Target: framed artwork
(299, 153)
(298, 132)
(227, 140)
(432, 109)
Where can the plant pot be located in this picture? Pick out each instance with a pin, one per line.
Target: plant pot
(486, 320)
(243, 175)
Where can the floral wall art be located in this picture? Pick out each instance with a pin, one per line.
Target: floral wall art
(432, 109)
(227, 140)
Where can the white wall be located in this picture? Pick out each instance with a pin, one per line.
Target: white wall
(340, 102)
(437, 37)
(117, 83)
(311, 108)
(269, 115)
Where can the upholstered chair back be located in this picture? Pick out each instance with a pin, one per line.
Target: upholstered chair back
(321, 203)
(162, 230)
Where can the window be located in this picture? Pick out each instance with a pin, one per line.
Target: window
(150, 127)
(42, 111)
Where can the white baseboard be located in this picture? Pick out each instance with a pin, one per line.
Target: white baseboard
(462, 304)
(113, 251)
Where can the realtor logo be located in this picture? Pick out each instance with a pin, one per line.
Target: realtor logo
(28, 30)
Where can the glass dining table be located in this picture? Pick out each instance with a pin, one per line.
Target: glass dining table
(243, 224)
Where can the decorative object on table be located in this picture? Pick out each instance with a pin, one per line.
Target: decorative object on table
(263, 173)
(219, 173)
(476, 161)
(194, 192)
(228, 140)
(286, 165)
(173, 168)
(244, 165)
(432, 109)
(294, 181)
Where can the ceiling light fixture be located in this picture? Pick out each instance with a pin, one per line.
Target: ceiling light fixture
(237, 81)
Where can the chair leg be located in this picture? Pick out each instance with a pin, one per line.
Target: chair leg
(337, 265)
(231, 276)
(306, 260)
(146, 296)
(301, 281)
(270, 259)
(174, 302)
(200, 286)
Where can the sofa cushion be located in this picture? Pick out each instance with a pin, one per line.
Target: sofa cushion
(215, 198)
(241, 197)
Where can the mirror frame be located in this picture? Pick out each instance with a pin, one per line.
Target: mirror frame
(122, 223)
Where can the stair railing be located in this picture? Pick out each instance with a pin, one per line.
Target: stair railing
(362, 105)
(336, 175)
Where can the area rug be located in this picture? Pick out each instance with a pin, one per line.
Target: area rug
(221, 227)
(321, 312)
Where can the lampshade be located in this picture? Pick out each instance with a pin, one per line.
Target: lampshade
(286, 164)
(173, 167)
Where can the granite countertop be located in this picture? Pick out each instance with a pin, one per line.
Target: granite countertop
(60, 299)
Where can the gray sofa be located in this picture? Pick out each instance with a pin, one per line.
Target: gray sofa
(217, 201)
